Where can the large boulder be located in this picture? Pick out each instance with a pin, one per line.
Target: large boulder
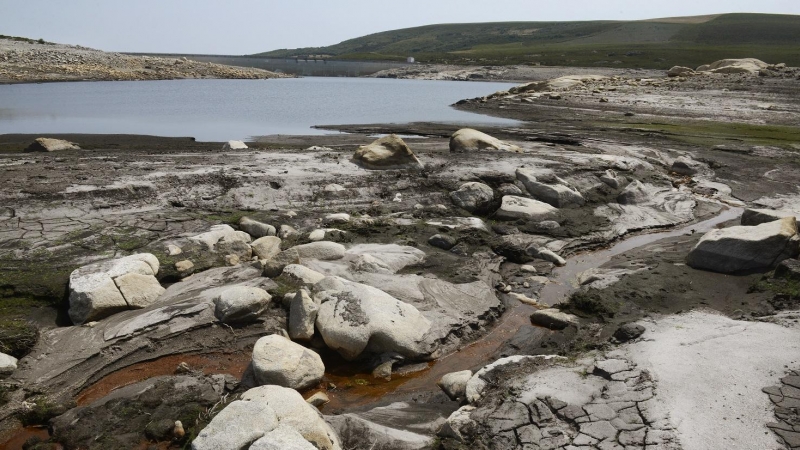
(239, 304)
(99, 290)
(219, 235)
(255, 228)
(513, 208)
(354, 318)
(234, 145)
(296, 413)
(743, 248)
(634, 193)
(551, 190)
(8, 364)
(680, 71)
(751, 217)
(279, 361)
(267, 417)
(389, 152)
(467, 139)
(743, 65)
(266, 247)
(472, 196)
(302, 316)
(51, 145)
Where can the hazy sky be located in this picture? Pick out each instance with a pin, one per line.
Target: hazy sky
(251, 26)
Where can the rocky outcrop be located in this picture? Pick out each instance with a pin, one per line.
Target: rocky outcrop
(240, 304)
(386, 153)
(472, 196)
(545, 186)
(742, 248)
(51, 145)
(354, 318)
(99, 290)
(467, 139)
(279, 361)
(513, 208)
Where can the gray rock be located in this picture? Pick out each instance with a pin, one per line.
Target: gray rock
(634, 193)
(613, 180)
(266, 247)
(219, 235)
(472, 196)
(355, 318)
(286, 232)
(234, 145)
(360, 433)
(237, 426)
(459, 425)
(279, 361)
(94, 293)
(467, 139)
(239, 304)
(687, 166)
(752, 217)
(295, 412)
(509, 189)
(8, 364)
(680, 71)
(546, 254)
(556, 194)
(283, 437)
(513, 208)
(788, 269)
(742, 248)
(255, 228)
(442, 241)
(554, 319)
(324, 251)
(302, 316)
(386, 153)
(318, 399)
(298, 275)
(51, 145)
(455, 384)
(628, 332)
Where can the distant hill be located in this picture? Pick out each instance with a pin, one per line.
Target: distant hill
(655, 43)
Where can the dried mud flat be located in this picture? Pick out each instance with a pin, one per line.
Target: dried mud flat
(122, 195)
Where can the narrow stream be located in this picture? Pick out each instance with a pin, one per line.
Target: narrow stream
(563, 283)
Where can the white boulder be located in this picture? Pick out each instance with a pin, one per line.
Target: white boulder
(743, 248)
(241, 304)
(467, 139)
(472, 196)
(51, 145)
(99, 290)
(266, 247)
(234, 145)
(513, 208)
(389, 152)
(279, 361)
(355, 318)
(8, 364)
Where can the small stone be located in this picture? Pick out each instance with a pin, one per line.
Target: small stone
(442, 241)
(318, 399)
(384, 371)
(173, 250)
(628, 331)
(232, 260)
(184, 267)
(527, 268)
(177, 431)
(554, 319)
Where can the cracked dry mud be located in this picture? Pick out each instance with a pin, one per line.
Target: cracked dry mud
(693, 380)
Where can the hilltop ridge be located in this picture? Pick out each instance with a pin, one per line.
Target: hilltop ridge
(653, 43)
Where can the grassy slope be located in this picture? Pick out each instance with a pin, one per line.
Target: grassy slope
(657, 43)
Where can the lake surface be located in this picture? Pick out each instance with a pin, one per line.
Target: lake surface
(219, 110)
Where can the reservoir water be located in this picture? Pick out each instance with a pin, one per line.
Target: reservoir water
(219, 110)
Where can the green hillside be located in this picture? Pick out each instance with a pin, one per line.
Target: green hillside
(656, 43)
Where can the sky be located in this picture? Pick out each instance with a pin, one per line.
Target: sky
(239, 27)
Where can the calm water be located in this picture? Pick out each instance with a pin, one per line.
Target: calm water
(219, 110)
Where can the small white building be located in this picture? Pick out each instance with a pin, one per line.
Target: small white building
(410, 60)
